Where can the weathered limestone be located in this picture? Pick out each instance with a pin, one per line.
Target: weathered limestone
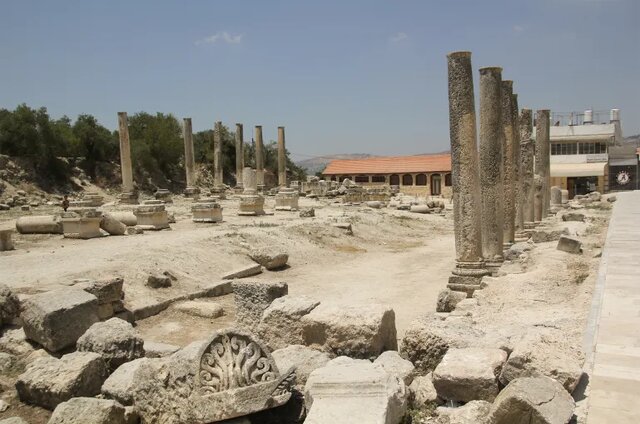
(556, 197)
(253, 298)
(189, 161)
(536, 400)
(303, 358)
(465, 175)
(152, 215)
(270, 258)
(422, 391)
(206, 210)
(243, 272)
(287, 199)
(49, 381)
(128, 218)
(351, 390)
(520, 234)
(129, 194)
(112, 226)
(565, 196)
(56, 319)
(9, 305)
(109, 293)
(259, 158)
(543, 167)
(115, 340)
(251, 203)
(39, 224)
(527, 158)
(394, 364)
(82, 223)
(280, 324)
(282, 159)
(491, 184)
(508, 166)
(448, 299)
(120, 384)
(158, 350)
(87, 410)
(358, 331)
(569, 244)
(239, 156)
(200, 308)
(218, 181)
(163, 194)
(6, 241)
(469, 374)
(474, 412)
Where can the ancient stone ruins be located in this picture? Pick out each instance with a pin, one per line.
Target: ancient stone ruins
(323, 302)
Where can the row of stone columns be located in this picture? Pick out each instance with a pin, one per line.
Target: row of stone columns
(495, 203)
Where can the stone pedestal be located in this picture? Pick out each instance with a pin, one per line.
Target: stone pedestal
(564, 196)
(164, 195)
(6, 241)
(251, 203)
(82, 223)
(130, 198)
(152, 216)
(287, 199)
(192, 192)
(206, 210)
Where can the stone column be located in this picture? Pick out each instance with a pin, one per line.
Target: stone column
(519, 190)
(508, 165)
(527, 155)
(491, 136)
(542, 138)
(239, 155)
(129, 194)
(218, 183)
(189, 162)
(282, 159)
(251, 203)
(464, 169)
(259, 158)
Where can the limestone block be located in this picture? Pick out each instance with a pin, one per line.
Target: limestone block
(9, 305)
(612, 198)
(287, 199)
(375, 204)
(307, 213)
(121, 383)
(7, 361)
(536, 400)
(128, 218)
(13, 420)
(350, 390)
(200, 308)
(87, 410)
(269, 258)
(164, 195)
(82, 223)
(159, 350)
(393, 363)
(243, 272)
(358, 331)
(564, 196)
(56, 319)
(39, 224)
(517, 249)
(448, 299)
(251, 205)
(6, 240)
(569, 244)
(573, 216)
(206, 210)
(115, 340)
(540, 355)
(107, 290)
(134, 231)
(112, 226)
(303, 358)
(49, 381)
(556, 196)
(156, 281)
(253, 298)
(422, 392)
(475, 412)
(469, 374)
(595, 196)
(152, 217)
(15, 342)
(541, 236)
(280, 324)
(420, 209)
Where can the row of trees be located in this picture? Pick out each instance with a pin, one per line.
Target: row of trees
(156, 143)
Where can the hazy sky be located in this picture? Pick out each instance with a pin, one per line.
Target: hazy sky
(342, 76)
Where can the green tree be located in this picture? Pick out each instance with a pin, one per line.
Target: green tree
(93, 142)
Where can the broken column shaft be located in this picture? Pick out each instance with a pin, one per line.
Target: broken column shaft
(282, 159)
(239, 155)
(218, 184)
(542, 140)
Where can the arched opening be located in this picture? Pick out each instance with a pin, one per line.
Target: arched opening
(421, 180)
(447, 180)
(436, 181)
(407, 180)
(394, 179)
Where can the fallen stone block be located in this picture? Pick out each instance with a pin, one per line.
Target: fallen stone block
(121, 384)
(56, 319)
(159, 350)
(448, 299)
(200, 309)
(128, 218)
(112, 226)
(13, 420)
(244, 272)
(469, 374)
(87, 410)
(394, 364)
(108, 290)
(375, 204)
(253, 298)
(49, 381)
(475, 412)
(351, 390)
(542, 236)
(269, 259)
(307, 213)
(6, 240)
(539, 400)
(422, 393)
(303, 358)
(115, 340)
(280, 324)
(9, 305)
(157, 281)
(134, 231)
(573, 216)
(43, 224)
(15, 342)
(358, 331)
(420, 209)
(569, 244)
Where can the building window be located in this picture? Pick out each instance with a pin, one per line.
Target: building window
(378, 179)
(362, 178)
(564, 148)
(436, 180)
(592, 148)
(394, 179)
(407, 180)
(421, 180)
(447, 180)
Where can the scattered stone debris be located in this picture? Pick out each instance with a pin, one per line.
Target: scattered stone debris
(541, 235)
(307, 213)
(345, 226)
(253, 298)
(200, 308)
(6, 239)
(422, 391)
(569, 244)
(87, 410)
(157, 281)
(448, 299)
(244, 272)
(269, 258)
(134, 231)
(121, 384)
(281, 324)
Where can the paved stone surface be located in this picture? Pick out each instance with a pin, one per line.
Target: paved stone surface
(612, 337)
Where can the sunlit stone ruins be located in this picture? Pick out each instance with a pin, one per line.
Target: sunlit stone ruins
(451, 288)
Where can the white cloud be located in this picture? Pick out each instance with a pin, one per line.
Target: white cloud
(396, 38)
(518, 28)
(223, 36)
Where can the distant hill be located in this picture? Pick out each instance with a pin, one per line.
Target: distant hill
(633, 139)
(318, 163)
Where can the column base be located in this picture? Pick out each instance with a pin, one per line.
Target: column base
(130, 198)
(206, 210)
(192, 192)
(219, 193)
(522, 236)
(467, 277)
(493, 266)
(251, 205)
(506, 245)
(529, 225)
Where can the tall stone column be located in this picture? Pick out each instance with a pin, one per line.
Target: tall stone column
(491, 136)
(543, 122)
(259, 158)
(218, 182)
(282, 159)
(239, 155)
(129, 194)
(189, 161)
(527, 156)
(519, 192)
(508, 165)
(465, 176)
